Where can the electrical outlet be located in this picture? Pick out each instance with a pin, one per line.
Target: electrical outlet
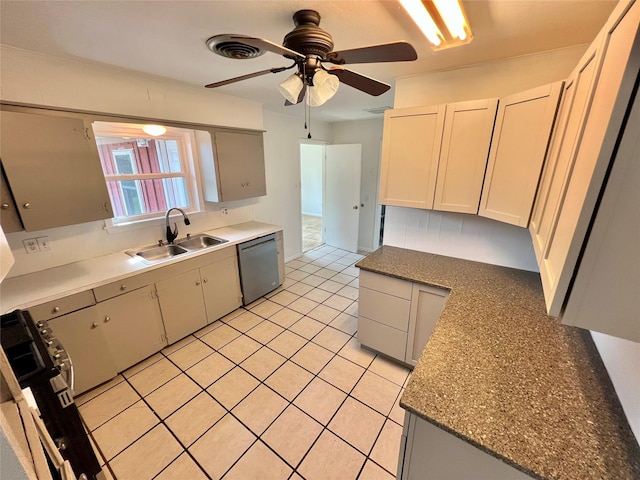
(31, 245)
(225, 211)
(43, 243)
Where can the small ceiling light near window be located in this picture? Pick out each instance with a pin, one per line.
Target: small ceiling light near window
(443, 22)
(154, 130)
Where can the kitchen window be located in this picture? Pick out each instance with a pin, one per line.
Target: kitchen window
(147, 175)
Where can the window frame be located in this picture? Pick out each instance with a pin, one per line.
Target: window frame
(189, 163)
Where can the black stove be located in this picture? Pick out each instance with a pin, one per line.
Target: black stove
(40, 362)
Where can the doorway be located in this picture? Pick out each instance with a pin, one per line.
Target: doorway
(312, 186)
(330, 195)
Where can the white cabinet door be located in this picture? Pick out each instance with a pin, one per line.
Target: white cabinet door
(463, 157)
(53, 169)
(133, 327)
(520, 139)
(427, 303)
(221, 288)
(240, 160)
(581, 153)
(428, 448)
(82, 335)
(182, 305)
(410, 151)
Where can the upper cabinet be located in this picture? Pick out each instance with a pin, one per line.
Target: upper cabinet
(234, 169)
(597, 98)
(53, 170)
(435, 157)
(463, 157)
(410, 151)
(520, 139)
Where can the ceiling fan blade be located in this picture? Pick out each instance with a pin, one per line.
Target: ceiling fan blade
(386, 52)
(246, 77)
(268, 46)
(359, 81)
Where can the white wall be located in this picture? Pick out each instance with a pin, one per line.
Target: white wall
(93, 87)
(487, 80)
(311, 172)
(621, 358)
(459, 235)
(282, 205)
(368, 133)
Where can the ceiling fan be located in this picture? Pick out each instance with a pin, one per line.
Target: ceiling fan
(311, 49)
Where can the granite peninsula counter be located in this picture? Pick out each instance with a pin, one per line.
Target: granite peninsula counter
(500, 374)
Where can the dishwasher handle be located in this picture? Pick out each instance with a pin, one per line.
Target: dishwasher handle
(256, 245)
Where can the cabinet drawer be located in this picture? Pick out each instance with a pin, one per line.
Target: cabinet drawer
(62, 306)
(382, 338)
(386, 309)
(125, 285)
(383, 283)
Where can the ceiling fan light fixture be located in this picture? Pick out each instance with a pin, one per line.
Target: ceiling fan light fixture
(324, 88)
(154, 130)
(291, 87)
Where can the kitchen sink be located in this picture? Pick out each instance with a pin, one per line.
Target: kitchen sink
(198, 242)
(157, 253)
(189, 244)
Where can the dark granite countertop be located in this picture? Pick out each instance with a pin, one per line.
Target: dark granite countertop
(500, 374)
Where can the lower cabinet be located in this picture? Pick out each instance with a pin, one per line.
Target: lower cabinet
(396, 317)
(83, 336)
(132, 326)
(192, 299)
(182, 305)
(427, 448)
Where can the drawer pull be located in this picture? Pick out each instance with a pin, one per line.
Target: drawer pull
(107, 319)
(56, 309)
(197, 282)
(94, 325)
(205, 279)
(123, 287)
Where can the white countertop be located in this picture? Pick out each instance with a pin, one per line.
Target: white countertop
(35, 288)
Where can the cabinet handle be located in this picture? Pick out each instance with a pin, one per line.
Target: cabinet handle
(27, 205)
(205, 279)
(197, 282)
(5, 206)
(123, 287)
(107, 319)
(94, 325)
(56, 309)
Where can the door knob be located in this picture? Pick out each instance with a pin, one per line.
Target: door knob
(355, 207)
(27, 205)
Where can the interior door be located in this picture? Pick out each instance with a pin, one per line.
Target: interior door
(342, 196)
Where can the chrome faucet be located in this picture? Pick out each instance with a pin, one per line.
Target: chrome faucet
(173, 234)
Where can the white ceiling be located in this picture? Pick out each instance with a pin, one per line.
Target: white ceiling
(167, 38)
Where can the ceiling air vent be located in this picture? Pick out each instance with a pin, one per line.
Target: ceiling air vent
(377, 110)
(228, 46)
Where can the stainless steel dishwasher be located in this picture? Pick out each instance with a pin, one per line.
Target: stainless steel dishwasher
(258, 260)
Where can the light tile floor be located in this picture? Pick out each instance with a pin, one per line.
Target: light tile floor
(280, 389)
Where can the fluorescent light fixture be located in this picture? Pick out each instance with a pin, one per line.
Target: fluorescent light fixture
(451, 13)
(324, 87)
(291, 88)
(443, 22)
(419, 14)
(154, 130)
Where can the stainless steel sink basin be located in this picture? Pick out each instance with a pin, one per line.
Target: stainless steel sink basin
(157, 253)
(198, 242)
